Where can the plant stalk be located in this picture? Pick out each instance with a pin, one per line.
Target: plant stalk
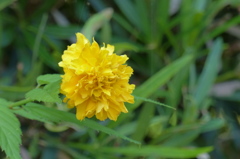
(19, 103)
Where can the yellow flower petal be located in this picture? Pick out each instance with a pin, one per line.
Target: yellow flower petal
(95, 80)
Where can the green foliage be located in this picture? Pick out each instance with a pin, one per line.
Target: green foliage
(149, 151)
(143, 121)
(153, 151)
(152, 101)
(10, 132)
(44, 95)
(49, 92)
(5, 3)
(209, 74)
(46, 114)
(182, 52)
(96, 22)
(49, 78)
(157, 80)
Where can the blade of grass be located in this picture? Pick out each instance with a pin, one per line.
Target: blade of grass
(39, 37)
(143, 121)
(209, 73)
(96, 22)
(141, 7)
(128, 9)
(152, 101)
(218, 30)
(160, 78)
(175, 88)
(153, 151)
(126, 25)
(200, 126)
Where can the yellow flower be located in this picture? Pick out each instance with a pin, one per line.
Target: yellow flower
(95, 80)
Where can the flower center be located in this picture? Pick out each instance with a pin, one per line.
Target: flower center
(98, 85)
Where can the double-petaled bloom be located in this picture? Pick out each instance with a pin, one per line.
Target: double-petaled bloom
(95, 80)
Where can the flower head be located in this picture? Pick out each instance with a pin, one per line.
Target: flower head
(95, 80)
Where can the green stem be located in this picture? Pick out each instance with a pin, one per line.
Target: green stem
(19, 103)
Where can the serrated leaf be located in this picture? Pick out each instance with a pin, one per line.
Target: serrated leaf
(9, 133)
(45, 114)
(49, 93)
(48, 78)
(53, 89)
(43, 95)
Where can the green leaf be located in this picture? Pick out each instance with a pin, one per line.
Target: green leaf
(213, 125)
(184, 134)
(128, 9)
(180, 131)
(38, 39)
(48, 58)
(143, 12)
(4, 102)
(209, 73)
(153, 151)
(43, 95)
(170, 152)
(181, 139)
(106, 33)
(143, 121)
(126, 25)
(48, 93)
(5, 3)
(159, 79)
(61, 32)
(175, 88)
(200, 5)
(46, 114)
(95, 22)
(10, 133)
(48, 78)
(173, 119)
(219, 30)
(124, 46)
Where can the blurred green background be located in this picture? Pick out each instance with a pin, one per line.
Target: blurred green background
(185, 53)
